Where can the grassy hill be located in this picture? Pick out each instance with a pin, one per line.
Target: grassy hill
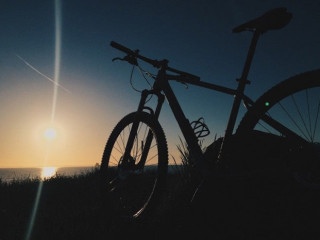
(255, 207)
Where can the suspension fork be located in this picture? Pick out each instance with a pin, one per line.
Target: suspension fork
(135, 125)
(148, 142)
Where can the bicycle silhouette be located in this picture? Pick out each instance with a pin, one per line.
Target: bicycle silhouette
(135, 160)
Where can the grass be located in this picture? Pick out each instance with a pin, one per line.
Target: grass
(257, 207)
(69, 208)
(66, 204)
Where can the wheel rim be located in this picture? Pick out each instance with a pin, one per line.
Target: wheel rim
(130, 186)
(300, 112)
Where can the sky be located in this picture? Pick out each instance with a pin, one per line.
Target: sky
(68, 42)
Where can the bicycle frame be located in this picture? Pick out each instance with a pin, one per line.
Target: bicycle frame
(162, 85)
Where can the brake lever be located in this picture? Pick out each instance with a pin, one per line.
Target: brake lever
(129, 58)
(117, 58)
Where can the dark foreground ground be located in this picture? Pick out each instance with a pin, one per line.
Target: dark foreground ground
(256, 207)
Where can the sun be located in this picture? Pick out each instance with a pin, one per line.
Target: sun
(50, 133)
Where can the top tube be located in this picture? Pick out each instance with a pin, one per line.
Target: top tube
(183, 77)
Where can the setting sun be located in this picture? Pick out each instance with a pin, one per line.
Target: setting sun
(50, 133)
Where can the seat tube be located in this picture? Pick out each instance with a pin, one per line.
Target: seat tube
(241, 86)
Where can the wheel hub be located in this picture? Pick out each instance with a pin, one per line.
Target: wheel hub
(126, 167)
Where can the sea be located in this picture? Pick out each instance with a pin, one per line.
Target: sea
(10, 174)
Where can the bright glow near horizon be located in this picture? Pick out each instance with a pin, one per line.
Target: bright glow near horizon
(48, 172)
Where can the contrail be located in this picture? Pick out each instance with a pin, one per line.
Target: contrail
(37, 71)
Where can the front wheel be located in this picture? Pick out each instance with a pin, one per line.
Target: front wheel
(291, 111)
(132, 186)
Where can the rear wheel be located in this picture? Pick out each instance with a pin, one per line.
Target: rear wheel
(295, 104)
(131, 186)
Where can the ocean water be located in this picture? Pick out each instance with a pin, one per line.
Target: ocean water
(9, 174)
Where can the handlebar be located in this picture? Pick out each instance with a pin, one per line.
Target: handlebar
(154, 63)
(121, 48)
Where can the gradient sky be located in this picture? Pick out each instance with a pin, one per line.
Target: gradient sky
(195, 36)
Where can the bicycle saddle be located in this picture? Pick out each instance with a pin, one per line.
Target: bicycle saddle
(274, 19)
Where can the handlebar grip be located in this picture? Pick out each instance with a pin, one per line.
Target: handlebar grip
(121, 47)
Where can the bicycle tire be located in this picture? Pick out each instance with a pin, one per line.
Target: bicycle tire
(132, 193)
(305, 86)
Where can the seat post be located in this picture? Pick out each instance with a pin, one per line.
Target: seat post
(248, 62)
(241, 86)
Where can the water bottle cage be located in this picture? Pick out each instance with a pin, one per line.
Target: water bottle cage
(200, 128)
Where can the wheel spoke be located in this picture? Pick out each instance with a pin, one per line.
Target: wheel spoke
(299, 112)
(293, 121)
(119, 151)
(309, 114)
(149, 151)
(113, 181)
(115, 162)
(316, 121)
(122, 137)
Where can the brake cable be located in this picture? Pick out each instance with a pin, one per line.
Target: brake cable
(143, 73)
(131, 82)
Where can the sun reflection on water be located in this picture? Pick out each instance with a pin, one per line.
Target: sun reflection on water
(48, 172)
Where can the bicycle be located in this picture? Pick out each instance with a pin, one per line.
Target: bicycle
(135, 159)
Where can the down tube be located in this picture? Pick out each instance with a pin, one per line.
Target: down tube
(186, 129)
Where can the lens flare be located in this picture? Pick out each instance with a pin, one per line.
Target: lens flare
(57, 56)
(54, 101)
